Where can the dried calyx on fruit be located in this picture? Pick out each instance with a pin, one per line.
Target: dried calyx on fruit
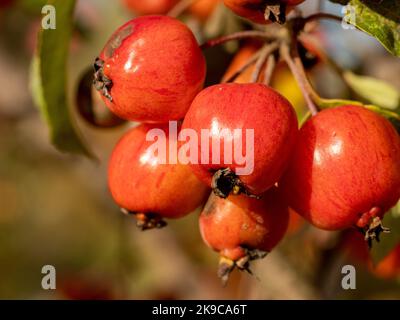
(144, 186)
(243, 229)
(134, 80)
(231, 117)
(345, 170)
(91, 107)
(262, 11)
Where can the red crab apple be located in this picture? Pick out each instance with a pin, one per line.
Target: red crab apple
(203, 9)
(150, 70)
(356, 249)
(242, 229)
(143, 184)
(345, 170)
(143, 7)
(262, 11)
(389, 267)
(244, 127)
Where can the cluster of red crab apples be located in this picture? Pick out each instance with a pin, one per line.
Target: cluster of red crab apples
(340, 170)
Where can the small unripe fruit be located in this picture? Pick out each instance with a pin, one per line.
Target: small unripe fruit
(257, 10)
(143, 7)
(141, 184)
(150, 70)
(252, 109)
(242, 228)
(345, 170)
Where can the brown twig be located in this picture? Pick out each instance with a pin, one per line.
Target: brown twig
(265, 53)
(291, 56)
(180, 8)
(269, 69)
(237, 36)
(322, 15)
(246, 65)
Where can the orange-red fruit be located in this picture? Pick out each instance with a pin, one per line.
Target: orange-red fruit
(357, 250)
(237, 224)
(254, 10)
(296, 222)
(202, 9)
(345, 168)
(248, 108)
(150, 70)
(239, 60)
(143, 7)
(141, 183)
(389, 267)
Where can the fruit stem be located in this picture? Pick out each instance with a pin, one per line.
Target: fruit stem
(321, 54)
(237, 36)
(322, 15)
(269, 69)
(180, 8)
(146, 221)
(296, 67)
(246, 65)
(266, 51)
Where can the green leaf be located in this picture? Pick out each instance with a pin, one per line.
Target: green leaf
(49, 80)
(388, 241)
(393, 116)
(373, 90)
(380, 20)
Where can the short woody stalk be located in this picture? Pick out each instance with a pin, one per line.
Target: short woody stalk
(293, 60)
(237, 36)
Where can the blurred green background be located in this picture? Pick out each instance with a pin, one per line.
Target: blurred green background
(55, 208)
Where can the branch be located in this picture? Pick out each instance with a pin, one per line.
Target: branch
(246, 65)
(180, 8)
(265, 53)
(322, 15)
(269, 69)
(237, 36)
(296, 67)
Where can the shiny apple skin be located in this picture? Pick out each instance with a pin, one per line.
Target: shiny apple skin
(246, 106)
(156, 68)
(346, 162)
(230, 225)
(140, 183)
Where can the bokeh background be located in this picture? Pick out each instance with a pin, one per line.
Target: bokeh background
(55, 208)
